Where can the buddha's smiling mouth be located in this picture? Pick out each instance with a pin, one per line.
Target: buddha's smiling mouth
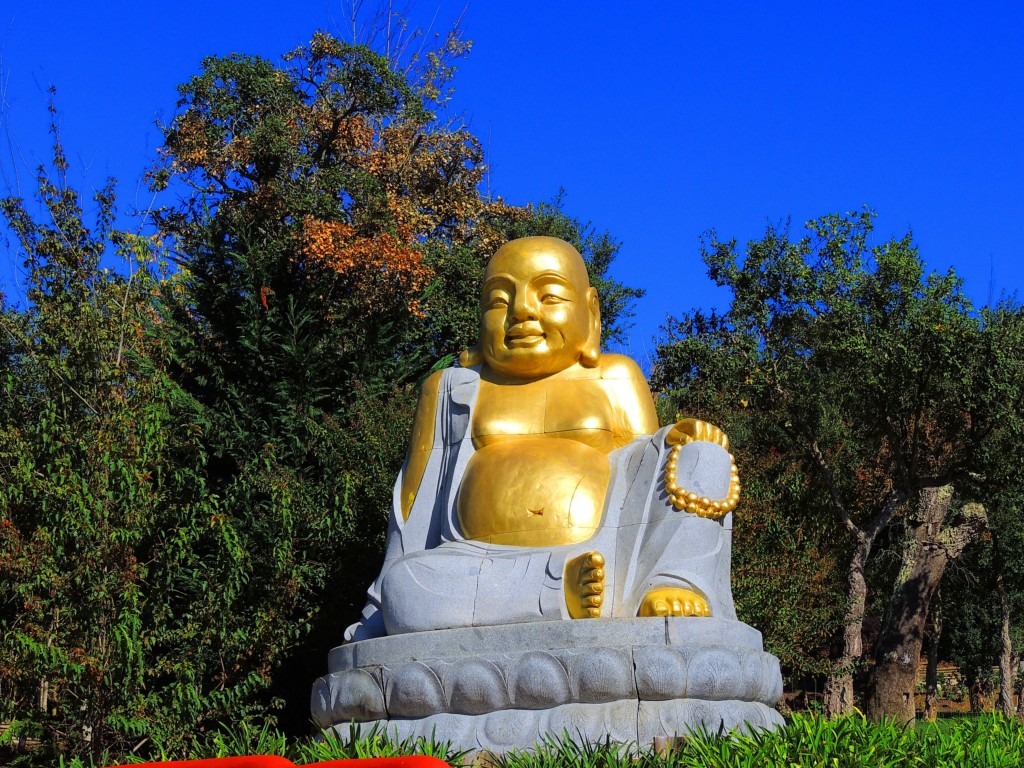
(531, 340)
(523, 336)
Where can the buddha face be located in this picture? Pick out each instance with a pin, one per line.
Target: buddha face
(538, 313)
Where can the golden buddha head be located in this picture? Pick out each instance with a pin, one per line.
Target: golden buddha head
(538, 312)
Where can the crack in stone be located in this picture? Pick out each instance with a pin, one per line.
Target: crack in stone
(636, 687)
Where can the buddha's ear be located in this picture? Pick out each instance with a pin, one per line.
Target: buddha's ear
(591, 352)
(472, 356)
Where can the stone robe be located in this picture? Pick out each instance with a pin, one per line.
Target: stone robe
(433, 578)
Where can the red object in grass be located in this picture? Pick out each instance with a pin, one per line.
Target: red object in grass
(273, 761)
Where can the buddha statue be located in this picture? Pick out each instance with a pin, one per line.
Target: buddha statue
(537, 485)
(555, 563)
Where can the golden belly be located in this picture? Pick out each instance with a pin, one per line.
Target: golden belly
(533, 492)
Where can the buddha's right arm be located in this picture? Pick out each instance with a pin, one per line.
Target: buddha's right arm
(421, 442)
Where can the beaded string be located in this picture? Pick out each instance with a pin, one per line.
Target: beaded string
(702, 506)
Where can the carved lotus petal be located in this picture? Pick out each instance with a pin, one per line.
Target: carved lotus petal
(413, 690)
(538, 680)
(476, 687)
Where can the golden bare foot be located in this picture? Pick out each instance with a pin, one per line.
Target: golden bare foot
(584, 585)
(673, 601)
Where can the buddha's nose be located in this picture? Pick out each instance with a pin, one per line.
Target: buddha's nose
(523, 308)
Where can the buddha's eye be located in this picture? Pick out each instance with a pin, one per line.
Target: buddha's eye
(497, 301)
(552, 298)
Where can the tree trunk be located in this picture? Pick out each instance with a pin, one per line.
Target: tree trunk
(839, 683)
(1005, 701)
(1020, 699)
(931, 677)
(929, 549)
(976, 691)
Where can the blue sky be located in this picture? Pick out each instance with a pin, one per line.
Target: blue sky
(660, 120)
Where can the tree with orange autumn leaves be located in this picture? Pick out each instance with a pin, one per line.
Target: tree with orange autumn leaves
(331, 235)
(335, 159)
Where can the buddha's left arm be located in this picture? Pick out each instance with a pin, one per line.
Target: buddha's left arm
(631, 400)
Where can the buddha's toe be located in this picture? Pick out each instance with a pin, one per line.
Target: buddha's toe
(673, 601)
(584, 585)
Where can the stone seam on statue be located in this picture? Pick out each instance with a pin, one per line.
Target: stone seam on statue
(470, 641)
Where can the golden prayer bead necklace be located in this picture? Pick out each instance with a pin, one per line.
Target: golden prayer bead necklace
(701, 506)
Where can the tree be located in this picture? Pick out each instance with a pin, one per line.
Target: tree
(786, 561)
(930, 544)
(970, 627)
(122, 581)
(875, 370)
(1000, 480)
(331, 237)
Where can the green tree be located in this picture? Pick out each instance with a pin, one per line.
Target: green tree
(1000, 483)
(971, 623)
(877, 372)
(786, 556)
(331, 238)
(122, 580)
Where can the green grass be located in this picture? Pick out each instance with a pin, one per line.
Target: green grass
(808, 741)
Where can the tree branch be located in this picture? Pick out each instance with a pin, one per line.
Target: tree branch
(830, 481)
(884, 517)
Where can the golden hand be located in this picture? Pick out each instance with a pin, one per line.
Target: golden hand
(693, 430)
(689, 431)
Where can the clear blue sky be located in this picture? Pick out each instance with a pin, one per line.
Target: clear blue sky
(661, 120)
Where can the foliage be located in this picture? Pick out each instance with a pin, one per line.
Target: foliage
(331, 236)
(971, 619)
(861, 357)
(123, 580)
(852, 361)
(786, 561)
(315, 182)
(808, 740)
